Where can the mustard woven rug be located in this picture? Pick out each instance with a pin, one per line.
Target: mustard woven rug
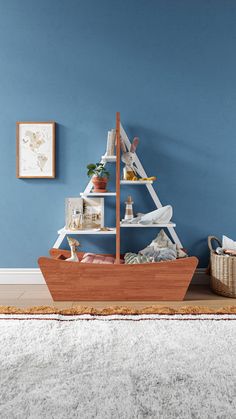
(155, 309)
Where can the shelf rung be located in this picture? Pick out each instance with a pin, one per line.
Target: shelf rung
(98, 194)
(136, 182)
(108, 159)
(92, 231)
(148, 225)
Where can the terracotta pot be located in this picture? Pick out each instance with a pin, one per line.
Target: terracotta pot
(99, 184)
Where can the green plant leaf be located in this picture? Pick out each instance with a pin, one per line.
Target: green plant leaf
(98, 170)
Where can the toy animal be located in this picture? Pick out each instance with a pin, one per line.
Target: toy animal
(73, 243)
(130, 171)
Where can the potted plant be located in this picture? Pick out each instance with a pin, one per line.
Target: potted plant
(99, 176)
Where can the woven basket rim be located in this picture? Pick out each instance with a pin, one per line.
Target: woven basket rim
(222, 256)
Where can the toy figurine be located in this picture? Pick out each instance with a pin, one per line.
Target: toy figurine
(129, 209)
(130, 170)
(73, 243)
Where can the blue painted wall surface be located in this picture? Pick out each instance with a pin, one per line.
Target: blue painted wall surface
(168, 66)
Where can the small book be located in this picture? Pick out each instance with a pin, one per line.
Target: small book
(111, 137)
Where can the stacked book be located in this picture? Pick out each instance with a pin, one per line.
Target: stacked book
(111, 139)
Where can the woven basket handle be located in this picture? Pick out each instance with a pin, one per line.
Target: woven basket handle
(210, 239)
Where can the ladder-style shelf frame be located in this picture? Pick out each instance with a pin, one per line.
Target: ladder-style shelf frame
(120, 133)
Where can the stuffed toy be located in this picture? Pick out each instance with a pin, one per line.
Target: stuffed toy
(162, 248)
(133, 258)
(159, 250)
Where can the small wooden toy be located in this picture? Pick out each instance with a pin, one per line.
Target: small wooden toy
(129, 209)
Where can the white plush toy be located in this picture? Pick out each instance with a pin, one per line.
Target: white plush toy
(130, 171)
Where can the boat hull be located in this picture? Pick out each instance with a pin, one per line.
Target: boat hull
(71, 281)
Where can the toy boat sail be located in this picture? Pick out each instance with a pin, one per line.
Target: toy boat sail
(74, 281)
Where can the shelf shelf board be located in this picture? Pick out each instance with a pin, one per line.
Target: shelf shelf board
(148, 225)
(108, 159)
(98, 194)
(91, 231)
(136, 182)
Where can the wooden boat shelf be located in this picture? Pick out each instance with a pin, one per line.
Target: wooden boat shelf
(69, 281)
(162, 281)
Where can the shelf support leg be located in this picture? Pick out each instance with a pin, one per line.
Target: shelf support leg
(59, 240)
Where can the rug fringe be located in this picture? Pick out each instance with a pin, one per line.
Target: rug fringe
(123, 310)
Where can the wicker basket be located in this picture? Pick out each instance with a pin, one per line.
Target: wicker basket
(223, 271)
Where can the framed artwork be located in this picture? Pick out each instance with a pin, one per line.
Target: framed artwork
(74, 213)
(35, 149)
(93, 213)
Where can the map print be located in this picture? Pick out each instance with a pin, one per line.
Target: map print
(35, 149)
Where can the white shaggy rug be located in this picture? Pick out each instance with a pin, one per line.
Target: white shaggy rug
(114, 367)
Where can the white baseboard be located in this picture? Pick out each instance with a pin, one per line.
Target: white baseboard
(18, 276)
(34, 276)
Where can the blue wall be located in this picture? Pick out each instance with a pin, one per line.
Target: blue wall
(168, 66)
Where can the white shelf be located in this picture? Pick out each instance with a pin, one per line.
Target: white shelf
(136, 182)
(92, 231)
(108, 159)
(98, 194)
(148, 225)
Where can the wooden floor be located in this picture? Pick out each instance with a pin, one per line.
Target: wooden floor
(38, 295)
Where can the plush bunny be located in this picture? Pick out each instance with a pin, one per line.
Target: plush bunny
(130, 171)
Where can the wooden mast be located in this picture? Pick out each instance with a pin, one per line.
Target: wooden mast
(118, 187)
